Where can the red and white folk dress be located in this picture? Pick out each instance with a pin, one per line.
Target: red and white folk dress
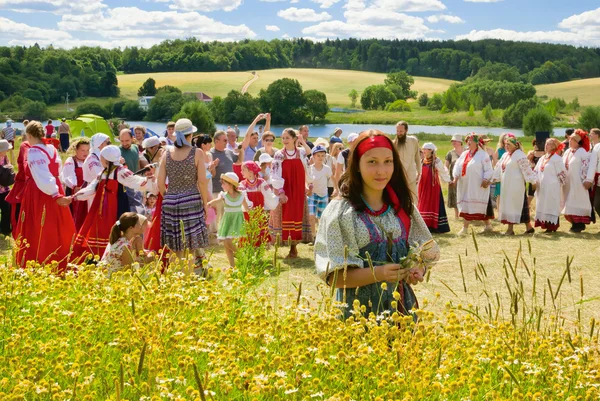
(47, 227)
(72, 177)
(256, 192)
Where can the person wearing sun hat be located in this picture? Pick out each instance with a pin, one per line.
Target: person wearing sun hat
(184, 207)
(337, 132)
(450, 159)
(431, 200)
(231, 225)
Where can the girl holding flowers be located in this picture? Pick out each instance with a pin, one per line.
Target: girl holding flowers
(365, 234)
(231, 225)
(125, 245)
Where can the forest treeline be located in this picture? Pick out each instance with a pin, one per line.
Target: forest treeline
(46, 75)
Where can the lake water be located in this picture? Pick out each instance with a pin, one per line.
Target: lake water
(326, 130)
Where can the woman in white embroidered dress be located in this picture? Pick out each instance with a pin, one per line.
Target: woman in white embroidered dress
(578, 207)
(473, 173)
(92, 167)
(550, 171)
(512, 171)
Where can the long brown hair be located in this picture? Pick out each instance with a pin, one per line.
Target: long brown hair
(351, 183)
(126, 221)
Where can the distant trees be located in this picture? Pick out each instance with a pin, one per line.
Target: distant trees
(590, 118)
(285, 100)
(537, 120)
(514, 114)
(200, 115)
(396, 86)
(353, 95)
(167, 102)
(316, 104)
(148, 88)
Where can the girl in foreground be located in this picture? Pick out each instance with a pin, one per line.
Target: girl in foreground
(374, 215)
(125, 246)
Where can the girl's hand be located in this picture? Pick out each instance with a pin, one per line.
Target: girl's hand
(390, 272)
(415, 275)
(63, 201)
(283, 199)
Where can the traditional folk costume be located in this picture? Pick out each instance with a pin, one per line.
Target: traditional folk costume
(109, 202)
(385, 235)
(15, 196)
(290, 220)
(577, 205)
(593, 176)
(72, 176)
(551, 175)
(258, 192)
(47, 227)
(92, 167)
(472, 200)
(431, 200)
(513, 171)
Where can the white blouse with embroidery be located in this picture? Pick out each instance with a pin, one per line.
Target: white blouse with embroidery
(125, 178)
(68, 176)
(39, 168)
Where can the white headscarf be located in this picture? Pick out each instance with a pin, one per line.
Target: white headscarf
(97, 140)
(112, 154)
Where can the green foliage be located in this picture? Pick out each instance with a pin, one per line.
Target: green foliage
(590, 118)
(551, 72)
(131, 111)
(436, 102)
(538, 120)
(285, 101)
(316, 104)
(555, 105)
(238, 108)
(148, 88)
(398, 105)
(353, 95)
(165, 104)
(488, 113)
(471, 111)
(115, 126)
(200, 115)
(400, 83)
(496, 72)
(252, 266)
(423, 99)
(499, 95)
(92, 108)
(453, 100)
(574, 105)
(35, 111)
(376, 97)
(513, 116)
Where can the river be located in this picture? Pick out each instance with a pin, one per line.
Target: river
(326, 130)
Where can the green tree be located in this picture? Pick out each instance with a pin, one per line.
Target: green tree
(92, 108)
(513, 116)
(436, 102)
(471, 110)
(488, 113)
(404, 81)
(538, 120)
(316, 104)
(131, 110)
(376, 97)
(238, 107)
(200, 115)
(285, 101)
(398, 105)
(216, 108)
(423, 99)
(148, 88)
(165, 105)
(353, 95)
(35, 111)
(590, 118)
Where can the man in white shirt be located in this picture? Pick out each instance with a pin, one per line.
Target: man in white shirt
(592, 180)
(231, 140)
(408, 148)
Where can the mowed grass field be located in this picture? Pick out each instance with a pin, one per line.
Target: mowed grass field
(587, 90)
(335, 83)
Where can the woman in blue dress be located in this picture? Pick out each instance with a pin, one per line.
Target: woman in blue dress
(375, 220)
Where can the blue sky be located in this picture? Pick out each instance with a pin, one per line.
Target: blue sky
(112, 23)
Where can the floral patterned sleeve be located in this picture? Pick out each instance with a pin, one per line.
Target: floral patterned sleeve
(525, 168)
(336, 231)
(585, 164)
(277, 165)
(561, 172)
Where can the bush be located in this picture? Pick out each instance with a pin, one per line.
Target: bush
(488, 113)
(436, 102)
(200, 115)
(376, 97)
(398, 105)
(471, 111)
(538, 120)
(423, 99)
(167, 102)
(132, 111)
(35, 111)
(590, 118)
(513, 116)
(92, 108)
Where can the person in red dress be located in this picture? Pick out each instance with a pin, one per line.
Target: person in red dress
(431, 200)
(49, 129)
(109, 202)
(259, 191)
(290, 219)
(72, 177)
(45, 227)
(16, 193)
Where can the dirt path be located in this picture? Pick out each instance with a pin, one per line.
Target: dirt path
(247, 84)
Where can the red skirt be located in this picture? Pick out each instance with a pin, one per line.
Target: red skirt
(429, 197)
(47, 227)
(93, 236)
(292, 171)
(152, 240)
(258, 200)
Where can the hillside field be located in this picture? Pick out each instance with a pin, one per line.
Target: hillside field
(335, 83)
(587, 90)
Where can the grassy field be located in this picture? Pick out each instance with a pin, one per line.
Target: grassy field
(335, 83)
(587, 90)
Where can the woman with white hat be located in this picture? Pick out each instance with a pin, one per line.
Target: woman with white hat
(109, 201)
(92, 167)
(44, 223)
(431, 200)
(451, 158)
(184, 208)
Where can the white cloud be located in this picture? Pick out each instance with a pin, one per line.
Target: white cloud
(52, 6)
(452, 19)
(272, 28)
(323, 3)
(303, 15)
(19, 33)
(205, 5)
(410, 5)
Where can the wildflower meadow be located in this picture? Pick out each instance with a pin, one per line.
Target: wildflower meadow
(238, 335)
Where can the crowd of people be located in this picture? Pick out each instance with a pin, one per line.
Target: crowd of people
(179, 193)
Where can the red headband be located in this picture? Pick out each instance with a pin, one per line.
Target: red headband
(372, 142)
(252, 166)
